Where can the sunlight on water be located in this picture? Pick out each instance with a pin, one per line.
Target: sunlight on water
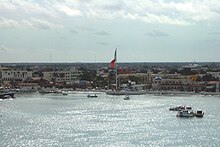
(55, 120)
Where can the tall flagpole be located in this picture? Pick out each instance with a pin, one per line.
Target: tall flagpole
(116, 72)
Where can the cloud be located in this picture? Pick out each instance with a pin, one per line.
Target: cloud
(102, 33)
(42, 24)
(23, 9)
(30, 23)
(8, 23)
(172, 12)
(7, 6)
(157, 33)
(68, 11)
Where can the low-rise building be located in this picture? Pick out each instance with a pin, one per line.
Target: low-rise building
(67, 76)
(159, 83)
(213, 86)
(16, 75)
(214, 74)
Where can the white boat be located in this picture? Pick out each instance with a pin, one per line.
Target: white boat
(185, 113)
(180, 107)
(126, 97)
(7, 95)
(92, 95)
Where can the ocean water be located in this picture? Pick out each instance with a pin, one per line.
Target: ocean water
(75, 120)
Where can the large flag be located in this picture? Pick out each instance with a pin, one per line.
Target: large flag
(113, 61)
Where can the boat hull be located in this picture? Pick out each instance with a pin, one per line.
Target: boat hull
(185, 113)
(7, 95)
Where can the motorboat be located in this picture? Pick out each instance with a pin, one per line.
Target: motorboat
(126, 97)
(179, 108)
(92, 95)
(188, 108)
(199, 113)
(185, 113)
(64, 93)
(7, 95)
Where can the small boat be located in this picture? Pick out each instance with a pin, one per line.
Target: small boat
(188, 108)
(185, 113)
(64, 93)
(92, 95)
(179, 108)
(126, 97)
(199, 113)
(7, 95)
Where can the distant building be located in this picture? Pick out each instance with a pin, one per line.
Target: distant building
(213, 86)
(102, 72)
(62, 76)
(192, 67)
(214, 74)
(159, 83)
(7, 75)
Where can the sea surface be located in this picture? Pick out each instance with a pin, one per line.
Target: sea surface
(74, 120)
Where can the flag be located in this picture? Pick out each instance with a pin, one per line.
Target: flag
(112, 63)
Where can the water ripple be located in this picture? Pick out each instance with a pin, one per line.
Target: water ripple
(107, 121)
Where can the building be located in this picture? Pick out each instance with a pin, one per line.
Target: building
(181, 84)
(62, 76)
(15, 75)
(213, 86)
(214, 74)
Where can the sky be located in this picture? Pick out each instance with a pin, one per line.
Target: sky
(90, 30)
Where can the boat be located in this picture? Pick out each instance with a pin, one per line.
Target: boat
(180, 107)
(64, 93)
(7, 95)
(126, 97)
(199, 113)
(92, 95)
(177, 108)
(185, 113)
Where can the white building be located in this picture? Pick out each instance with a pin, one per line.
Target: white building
(61, 76)
(214, 74)
(7, 74)
(170, 84)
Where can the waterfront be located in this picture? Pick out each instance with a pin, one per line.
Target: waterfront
(75, 120)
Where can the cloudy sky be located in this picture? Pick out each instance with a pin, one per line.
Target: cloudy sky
(90, 30)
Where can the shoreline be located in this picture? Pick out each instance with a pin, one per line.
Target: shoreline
(146, 92)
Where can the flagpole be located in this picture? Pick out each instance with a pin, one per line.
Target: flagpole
(116, 72)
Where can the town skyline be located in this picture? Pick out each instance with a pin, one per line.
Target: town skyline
(87, 32)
